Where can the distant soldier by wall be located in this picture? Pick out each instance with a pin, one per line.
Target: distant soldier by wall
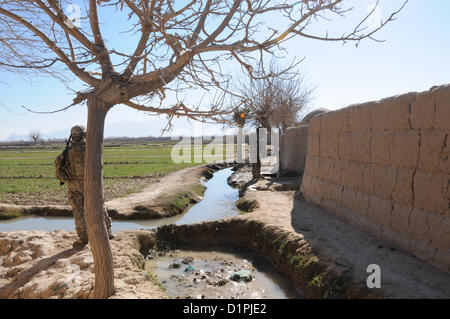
(70, 168)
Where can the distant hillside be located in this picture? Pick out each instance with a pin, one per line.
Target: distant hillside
(152, 127)
(129, 129)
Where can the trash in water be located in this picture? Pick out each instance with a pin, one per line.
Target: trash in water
(201, 272)
(222, 282)
(227, 263)
(244, 275)
(175, 265)
(188, 260)
(152, 254)
(189, 268)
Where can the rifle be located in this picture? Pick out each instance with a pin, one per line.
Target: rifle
(63, 169)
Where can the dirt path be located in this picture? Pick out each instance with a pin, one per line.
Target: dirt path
(347, 248)
(150, 197)
(167, 196)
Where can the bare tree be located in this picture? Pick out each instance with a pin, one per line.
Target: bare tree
(271, 101)
(35, 136)
(291, 100)
(274, 101)
(181, 45)
(258, 96)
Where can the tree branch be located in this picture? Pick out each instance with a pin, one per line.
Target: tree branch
(71, 65)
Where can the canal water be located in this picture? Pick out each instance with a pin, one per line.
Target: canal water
(219, 202)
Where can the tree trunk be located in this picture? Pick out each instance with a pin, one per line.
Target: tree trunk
(256, 167)
(93, 200)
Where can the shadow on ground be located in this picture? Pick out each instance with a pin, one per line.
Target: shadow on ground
(42, 265)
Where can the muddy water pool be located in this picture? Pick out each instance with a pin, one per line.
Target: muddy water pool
(227, 273)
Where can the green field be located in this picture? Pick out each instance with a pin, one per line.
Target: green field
(27, 175)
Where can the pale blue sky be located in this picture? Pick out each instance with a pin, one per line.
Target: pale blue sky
(414, 57)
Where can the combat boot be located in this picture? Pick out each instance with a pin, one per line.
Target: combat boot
(78, 244)
(110, 234)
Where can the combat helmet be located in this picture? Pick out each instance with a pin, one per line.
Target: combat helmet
(78, 133)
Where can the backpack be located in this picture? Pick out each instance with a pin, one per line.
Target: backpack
(62, 169)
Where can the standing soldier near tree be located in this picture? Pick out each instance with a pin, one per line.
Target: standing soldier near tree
(70, 168)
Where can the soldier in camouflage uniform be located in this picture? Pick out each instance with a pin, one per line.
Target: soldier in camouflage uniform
(70, 169)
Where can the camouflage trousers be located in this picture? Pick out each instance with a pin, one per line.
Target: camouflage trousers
(76, 201)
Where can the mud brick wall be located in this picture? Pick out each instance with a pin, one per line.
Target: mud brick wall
(293, 151)
(385, 167)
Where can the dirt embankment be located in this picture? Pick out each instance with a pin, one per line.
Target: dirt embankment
(287, 251)
(37, 264)
(167, 196)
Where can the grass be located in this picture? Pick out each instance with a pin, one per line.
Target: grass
(317, 281)
(155, 280)
(10, 214)
(299, 260)
(178, 202)
(246, 206)
(283, 246)
(280, 237)
(27, 175)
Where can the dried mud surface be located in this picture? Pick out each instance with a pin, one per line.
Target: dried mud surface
(37, 264)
